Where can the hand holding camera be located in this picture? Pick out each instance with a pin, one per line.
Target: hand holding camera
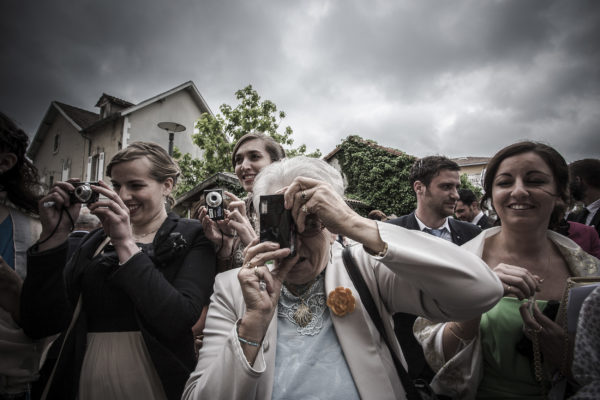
(57, 214)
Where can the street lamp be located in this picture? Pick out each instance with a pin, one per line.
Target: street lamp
(172, 128)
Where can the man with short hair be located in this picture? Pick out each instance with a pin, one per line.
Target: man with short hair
(585, 187)
(435, 180)
(467, 209)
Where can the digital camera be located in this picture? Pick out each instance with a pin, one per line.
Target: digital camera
(83, 193)
(276, 223)
(214, 204)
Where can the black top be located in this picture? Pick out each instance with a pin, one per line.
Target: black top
(159, 291)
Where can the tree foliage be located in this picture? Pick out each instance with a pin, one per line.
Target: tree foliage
(217, 135)
(465, 184)
(377, 176)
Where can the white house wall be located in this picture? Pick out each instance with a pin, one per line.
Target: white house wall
(179, 107)
(70, 149)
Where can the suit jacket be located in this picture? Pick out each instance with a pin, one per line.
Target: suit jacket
(580, 217)
(461, 233)
(484, 222)
(402, 280)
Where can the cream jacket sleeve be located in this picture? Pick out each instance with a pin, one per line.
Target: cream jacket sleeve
(428, 276)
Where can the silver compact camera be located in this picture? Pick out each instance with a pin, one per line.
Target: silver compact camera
(83, 193)
(214, 204)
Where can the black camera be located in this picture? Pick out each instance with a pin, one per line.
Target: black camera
(83, 193)
(214, 204)
(276, 223)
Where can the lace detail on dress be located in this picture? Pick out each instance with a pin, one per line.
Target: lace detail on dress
(315, 299)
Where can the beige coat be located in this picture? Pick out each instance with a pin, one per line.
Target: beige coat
(420, 274)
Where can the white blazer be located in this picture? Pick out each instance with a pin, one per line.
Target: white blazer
(420, 274)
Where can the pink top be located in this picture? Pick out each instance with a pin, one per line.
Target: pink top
(586, 237)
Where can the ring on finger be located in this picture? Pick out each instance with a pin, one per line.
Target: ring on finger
(256, 270)
(538, 329)
(508, 288)
(304, 209)
(303, 195)
(262, 285)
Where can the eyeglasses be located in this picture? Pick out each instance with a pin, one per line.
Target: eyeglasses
(312, 226)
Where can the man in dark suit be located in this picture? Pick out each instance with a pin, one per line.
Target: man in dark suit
(435, 180)
(585, 187)
(467, 209)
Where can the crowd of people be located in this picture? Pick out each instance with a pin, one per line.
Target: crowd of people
(463, 298)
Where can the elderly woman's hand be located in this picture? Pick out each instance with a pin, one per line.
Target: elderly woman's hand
(261, 288)
(309, 196)
(517, 281)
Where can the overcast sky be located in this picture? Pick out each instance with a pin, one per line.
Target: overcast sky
(459, 78)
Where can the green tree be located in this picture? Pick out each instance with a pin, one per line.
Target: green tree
(217, 135)
(465, 184)
(377, 175)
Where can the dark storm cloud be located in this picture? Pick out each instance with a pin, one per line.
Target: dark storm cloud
(457, 78)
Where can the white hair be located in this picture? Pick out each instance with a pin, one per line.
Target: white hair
(281, 173)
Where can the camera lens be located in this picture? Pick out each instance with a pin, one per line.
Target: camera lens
(214, 199)
(83, 193)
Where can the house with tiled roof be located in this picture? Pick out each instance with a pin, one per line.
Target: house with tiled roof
(474, 167)
(72, 142)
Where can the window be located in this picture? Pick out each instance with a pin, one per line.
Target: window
(56, 143)
(66, 168)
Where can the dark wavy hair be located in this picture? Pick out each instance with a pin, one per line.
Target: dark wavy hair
(21, 182)
(551, 157)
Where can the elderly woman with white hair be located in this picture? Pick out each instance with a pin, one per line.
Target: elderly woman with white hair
(294, 326)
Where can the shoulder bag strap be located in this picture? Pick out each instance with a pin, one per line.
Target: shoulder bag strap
(369, 304)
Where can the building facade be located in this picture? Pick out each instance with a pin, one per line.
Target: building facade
(75, 143)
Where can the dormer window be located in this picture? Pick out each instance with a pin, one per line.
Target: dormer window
(105, 110)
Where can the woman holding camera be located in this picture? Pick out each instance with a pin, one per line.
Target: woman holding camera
(515, 349)
(251, 154)
(269, 332)
(127, 298)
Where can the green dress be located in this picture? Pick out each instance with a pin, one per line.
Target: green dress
(507, 373)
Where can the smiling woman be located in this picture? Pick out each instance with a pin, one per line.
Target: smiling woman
(527, 183)
(250, 155)
(132, 289)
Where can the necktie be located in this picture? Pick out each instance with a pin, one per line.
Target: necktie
(584, 215)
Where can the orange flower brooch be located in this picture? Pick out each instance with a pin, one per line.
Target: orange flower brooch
(341, 301)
